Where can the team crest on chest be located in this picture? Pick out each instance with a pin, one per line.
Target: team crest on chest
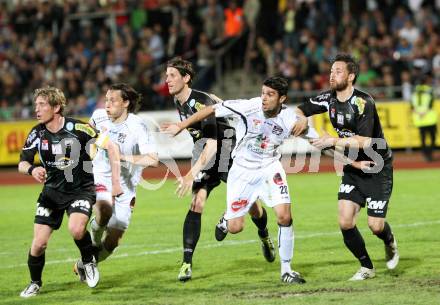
(277, 130)
(121, 137)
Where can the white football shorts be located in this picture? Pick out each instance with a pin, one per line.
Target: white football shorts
(245, 186)
(123, 205)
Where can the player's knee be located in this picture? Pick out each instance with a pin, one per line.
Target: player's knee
(104, 208)
(235, 225)
(284, 220)
(38, 246)
(197, 204)
(119, 222)
(376, 228)
(346, 224)
(77, 231)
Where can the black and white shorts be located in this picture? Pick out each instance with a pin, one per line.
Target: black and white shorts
(51, 206)
(371, 190)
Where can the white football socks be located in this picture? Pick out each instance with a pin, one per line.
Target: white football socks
(285, 247)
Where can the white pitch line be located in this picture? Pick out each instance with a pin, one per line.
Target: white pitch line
(218, 244)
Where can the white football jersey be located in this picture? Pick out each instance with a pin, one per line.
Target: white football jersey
(258, 137)
(133, 138)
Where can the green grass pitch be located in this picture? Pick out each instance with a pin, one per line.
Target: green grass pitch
(144, 269)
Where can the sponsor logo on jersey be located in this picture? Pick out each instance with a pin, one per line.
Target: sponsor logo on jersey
(45, 212)
(332, 112)
(61, 163)
(360, 103)
(348, 116)
(57, 149)
(256, 123)
(192, 102)
(344, 133)
(86, 129)
(45, 145)
(278, 179)
(239, 204)
(340, 119)
(199, 106)
(346, 188)
(376, 204)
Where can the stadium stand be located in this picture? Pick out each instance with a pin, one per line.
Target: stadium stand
(83, 46)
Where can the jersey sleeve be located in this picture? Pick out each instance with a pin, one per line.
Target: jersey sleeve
(146, 142)
(291, 118)
(87, 132)
(30, 147)
(314, 105)
(239, 107)
(366, 119)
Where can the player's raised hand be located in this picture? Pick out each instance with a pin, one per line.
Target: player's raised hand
(324, 141)
(170, 128)
(300, 126)
(39, 174)
(184, 185)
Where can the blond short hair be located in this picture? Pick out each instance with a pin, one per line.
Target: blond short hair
(53, 95)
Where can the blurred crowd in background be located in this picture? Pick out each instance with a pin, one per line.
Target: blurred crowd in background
(83, 46)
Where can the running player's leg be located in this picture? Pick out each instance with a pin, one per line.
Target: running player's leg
(46, 220)
(103, 209)
(379, 190)
(353, 240)
(350, 201)
(191, 231)
(259, 218)
(118, 224)
(286, 243)
(79, 212)
(36, 259)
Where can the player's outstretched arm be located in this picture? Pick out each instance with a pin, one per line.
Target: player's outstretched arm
(115, 164)
(185, 182)
(175, 129)
(145, 160)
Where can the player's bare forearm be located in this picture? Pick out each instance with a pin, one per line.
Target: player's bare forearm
(354, 141)
(23, 167)
(115, 161)
(207, 154)
(146, 160)
(197, 117)
(37, 172)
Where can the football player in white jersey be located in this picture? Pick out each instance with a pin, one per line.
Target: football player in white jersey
(138, 150)
(256, 173)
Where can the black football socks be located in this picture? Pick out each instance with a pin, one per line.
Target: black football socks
(191, 234)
